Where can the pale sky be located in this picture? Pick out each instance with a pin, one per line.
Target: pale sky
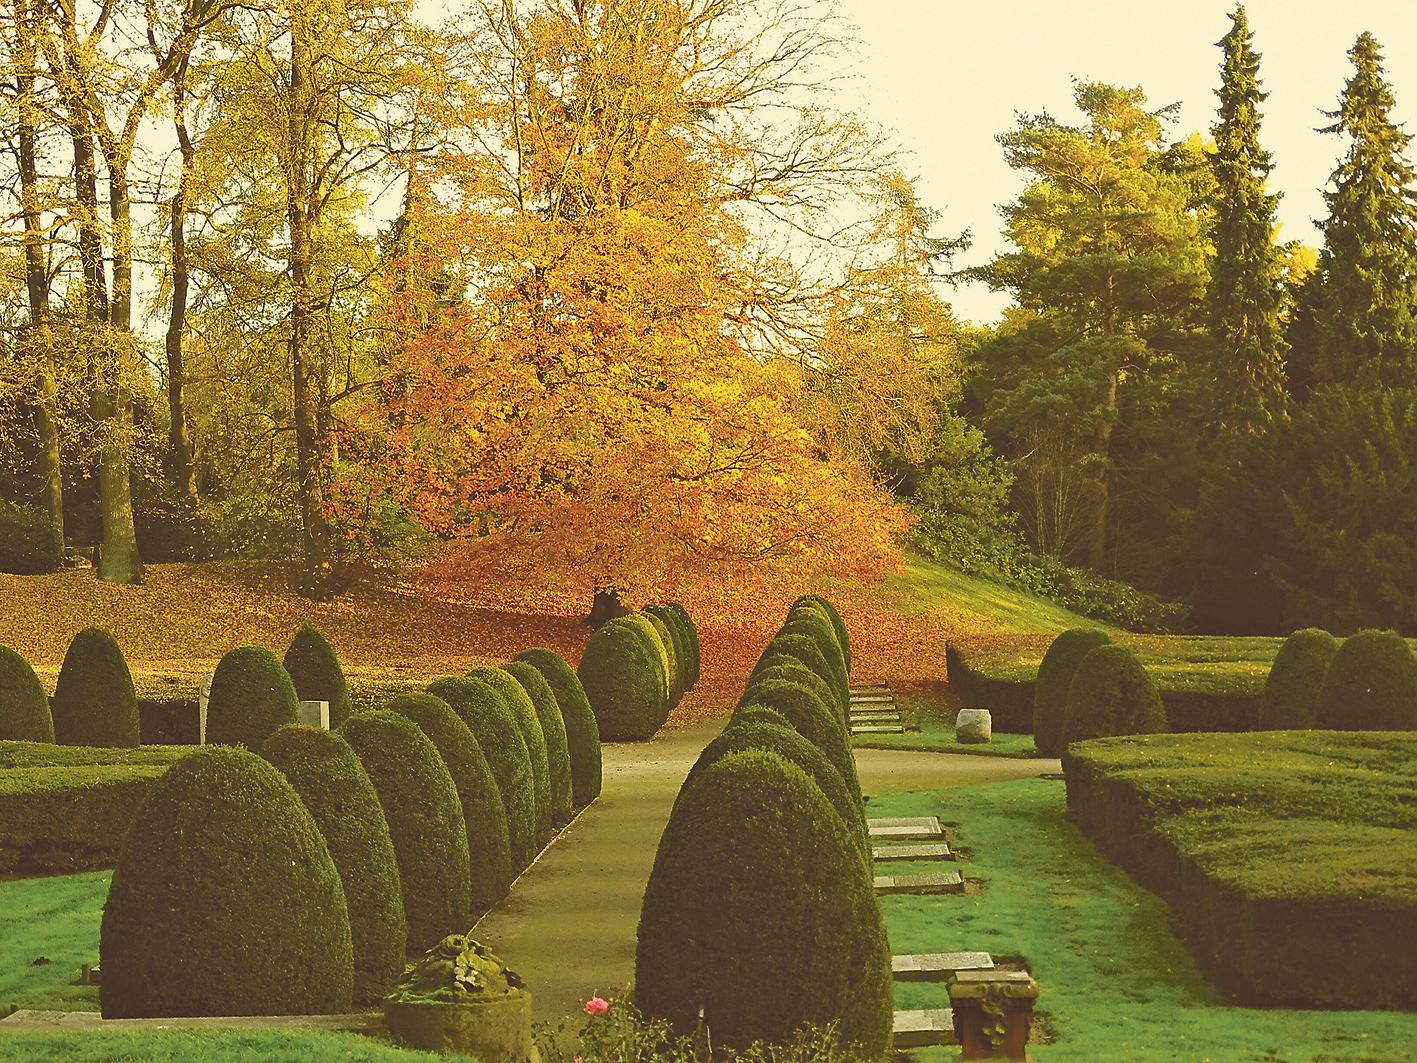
(947, 77)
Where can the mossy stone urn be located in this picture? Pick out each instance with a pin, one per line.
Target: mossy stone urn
(461, 998)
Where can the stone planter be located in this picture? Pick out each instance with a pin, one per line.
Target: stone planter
(494, 1030)
(992, 1010)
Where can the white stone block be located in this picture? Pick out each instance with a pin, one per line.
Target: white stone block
(974, 725)
(315, 714)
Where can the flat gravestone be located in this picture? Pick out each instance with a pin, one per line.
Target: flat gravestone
(931, 851)
(877, 729)
(938, 966)
(919, 1029)
(875, 717)
(940, 882)
(904, 827)
(315, 714)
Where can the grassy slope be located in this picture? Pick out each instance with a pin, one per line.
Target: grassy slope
(928, 586)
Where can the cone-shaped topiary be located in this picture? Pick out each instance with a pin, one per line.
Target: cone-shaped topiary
(425, 822)
(24, 706)
(650, 634)
(1291, 689)
(522, 708)
(621, 675)
(553, 729)
(1112, 694)
(692, 635)
(94, 701)
(675, 675)
(492, 723)
(843, 637)
(791, 669)
(806, 650)
(225, 900)
(252, 696)
(333, 786)
(488, 842)
(1050, 689)
(760, 911)
(315, 671)
(582, 735)
(1370, 686)
(811, 719)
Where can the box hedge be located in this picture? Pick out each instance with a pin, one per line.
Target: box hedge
(645, 626)
(1050, 689)
(524, 712)
(1371, 685)
(315, 672)
(805, 649)
(623, 681)
(843, 637)
(1291, 689)
(94, 701)
(811, 719)
(1112, 694)
(251, 698)
(24, 706)
(553, 729)
(691, 631)
(674, 676)
(780, 666)
(673, 622)
(582, 734)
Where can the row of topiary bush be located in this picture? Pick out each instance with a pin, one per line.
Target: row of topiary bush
(636, 668)
(1368, 682)
(1090, 687)
(760, 915)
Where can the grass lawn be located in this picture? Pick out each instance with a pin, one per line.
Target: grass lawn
(929, 725)
(928, 586)
(210, 1046)
(1117, 986)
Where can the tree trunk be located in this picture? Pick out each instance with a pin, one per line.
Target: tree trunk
(606, 606)
(1097, 540)
(179, 440)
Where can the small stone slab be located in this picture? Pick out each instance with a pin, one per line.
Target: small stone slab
(872, 699)
(919, 1029)
(877, 729)
(932, 851)
(905, 827)
(860, 688)
(938, 966)
(940, 882)
(875, 717)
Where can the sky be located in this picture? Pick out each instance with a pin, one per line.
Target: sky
(946, 78)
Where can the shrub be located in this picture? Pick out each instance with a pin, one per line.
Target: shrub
(621, 676)
(843, 637)
(780, 667)
(524, 711)
(813, 622)
(692, 634)
(490, 719)
(673, 623)
(759, 911)
(333, 786)
(806, 649)
(24, 706)
(1370, 686)
(425, 822)
(94, 701)
(489, 844)
(252, 696)
(675, 674)
(650, 634)
(315, 671)
(553, 729)
(1292, 687)
(811, 719)
(1112, 694)
(31, 544)
(582, 735)
(1050, 689)
(225, 900)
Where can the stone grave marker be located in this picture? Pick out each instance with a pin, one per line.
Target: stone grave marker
(919, 1029)
(204, 694)
(906, 827)
(938, 966)
(315, 714)
(930, 851)
(940, 882)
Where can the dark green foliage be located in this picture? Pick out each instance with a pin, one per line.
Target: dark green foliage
(1371, 685)
(1050, 689)
(671, 650)
(30, 543)
(488, 841)
(225, 900)
(812, 719)
(657, 649)
(779, 666)
(492, 723)
(760, 911)
(252, 696)
(425, 821)
(807, 650)
(524, 711)
(24, 706)
(582, 735)
(673, 621)
(1292, 688)
(333, 786)
(621, 675)
(812, 620)
(843, 637)
(1112, 694)
(693, 636)
(94, 701)
(553, 729)
(315, 671)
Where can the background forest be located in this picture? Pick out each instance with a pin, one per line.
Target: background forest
(647, 304)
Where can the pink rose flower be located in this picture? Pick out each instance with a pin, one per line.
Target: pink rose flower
(594, 1006)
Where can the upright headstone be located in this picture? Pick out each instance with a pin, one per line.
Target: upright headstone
(315, 714)
(974, 725)
(203, 696)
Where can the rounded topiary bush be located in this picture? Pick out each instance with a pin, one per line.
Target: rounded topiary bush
(502, 681)
(314, 670)
(1370, 686)
(582, 734)
(623, 682)
(760, 911)
(1291, 689)
(678, 644)
(31, 544)
(252, 696)
(553, 729)
(1112, 694)
(333, 786)
(843, 637)
(805, 649)
(811, 719)
(225, 900)
(674, 679)
(779, 666)
(488, 841)
(425, 821)
(691, 634)
(24, 706)
(492, 723)
(645, 626)
(814, 624)
(94, 701)
(1050, 689)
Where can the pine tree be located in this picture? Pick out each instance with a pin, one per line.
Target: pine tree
(1244, 296)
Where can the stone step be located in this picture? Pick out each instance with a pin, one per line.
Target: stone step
(872, 699)
(864, 687)
(920, 1029)
(877, 729)
(932, 851)
(938, 966)
(874, 717)
(940, 882)
(907, 827)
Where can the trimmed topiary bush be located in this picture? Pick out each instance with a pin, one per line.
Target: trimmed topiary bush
(24, 706)
(333, 786)
(252, 697)
(645, 626)
(488, 841)
(813, 623)
(553, 729)
(691, 634)
(673, 624)
(522, 708)
(675, 674)
(806, 649)
(781, 666)
(1291, 690)
(1112, 694)
(582, 735)
(425, 822)
(1370, 686)
(492, 723)
(1050, 689)
(31, 544)
(314, 670)
(811, 719)
(760, 911)
(225, 900)
(843, 637)
(94, 701)
(621, 676)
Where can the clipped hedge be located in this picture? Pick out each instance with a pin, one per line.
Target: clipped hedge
(843, 637)
(1291, 690)
(623, 682)
(674, 675)
(781, 667)
(252, 697)
(1009, 701)
(1371, 685)
(553, 729)
(94, 701)
(691, 632)
(31, 544)
(813, 622)
(805, 649)
(675, 630)
(524, 711)
(315, 672)
(811, 719)
(582, 734)
(225, 900)
(24, 706)
(1050, 689)
(645, 626)
(1112, 694)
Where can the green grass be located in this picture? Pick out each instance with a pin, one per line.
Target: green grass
(209, 1046)
(927, 586)
(930, 726)
(1116, 985)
